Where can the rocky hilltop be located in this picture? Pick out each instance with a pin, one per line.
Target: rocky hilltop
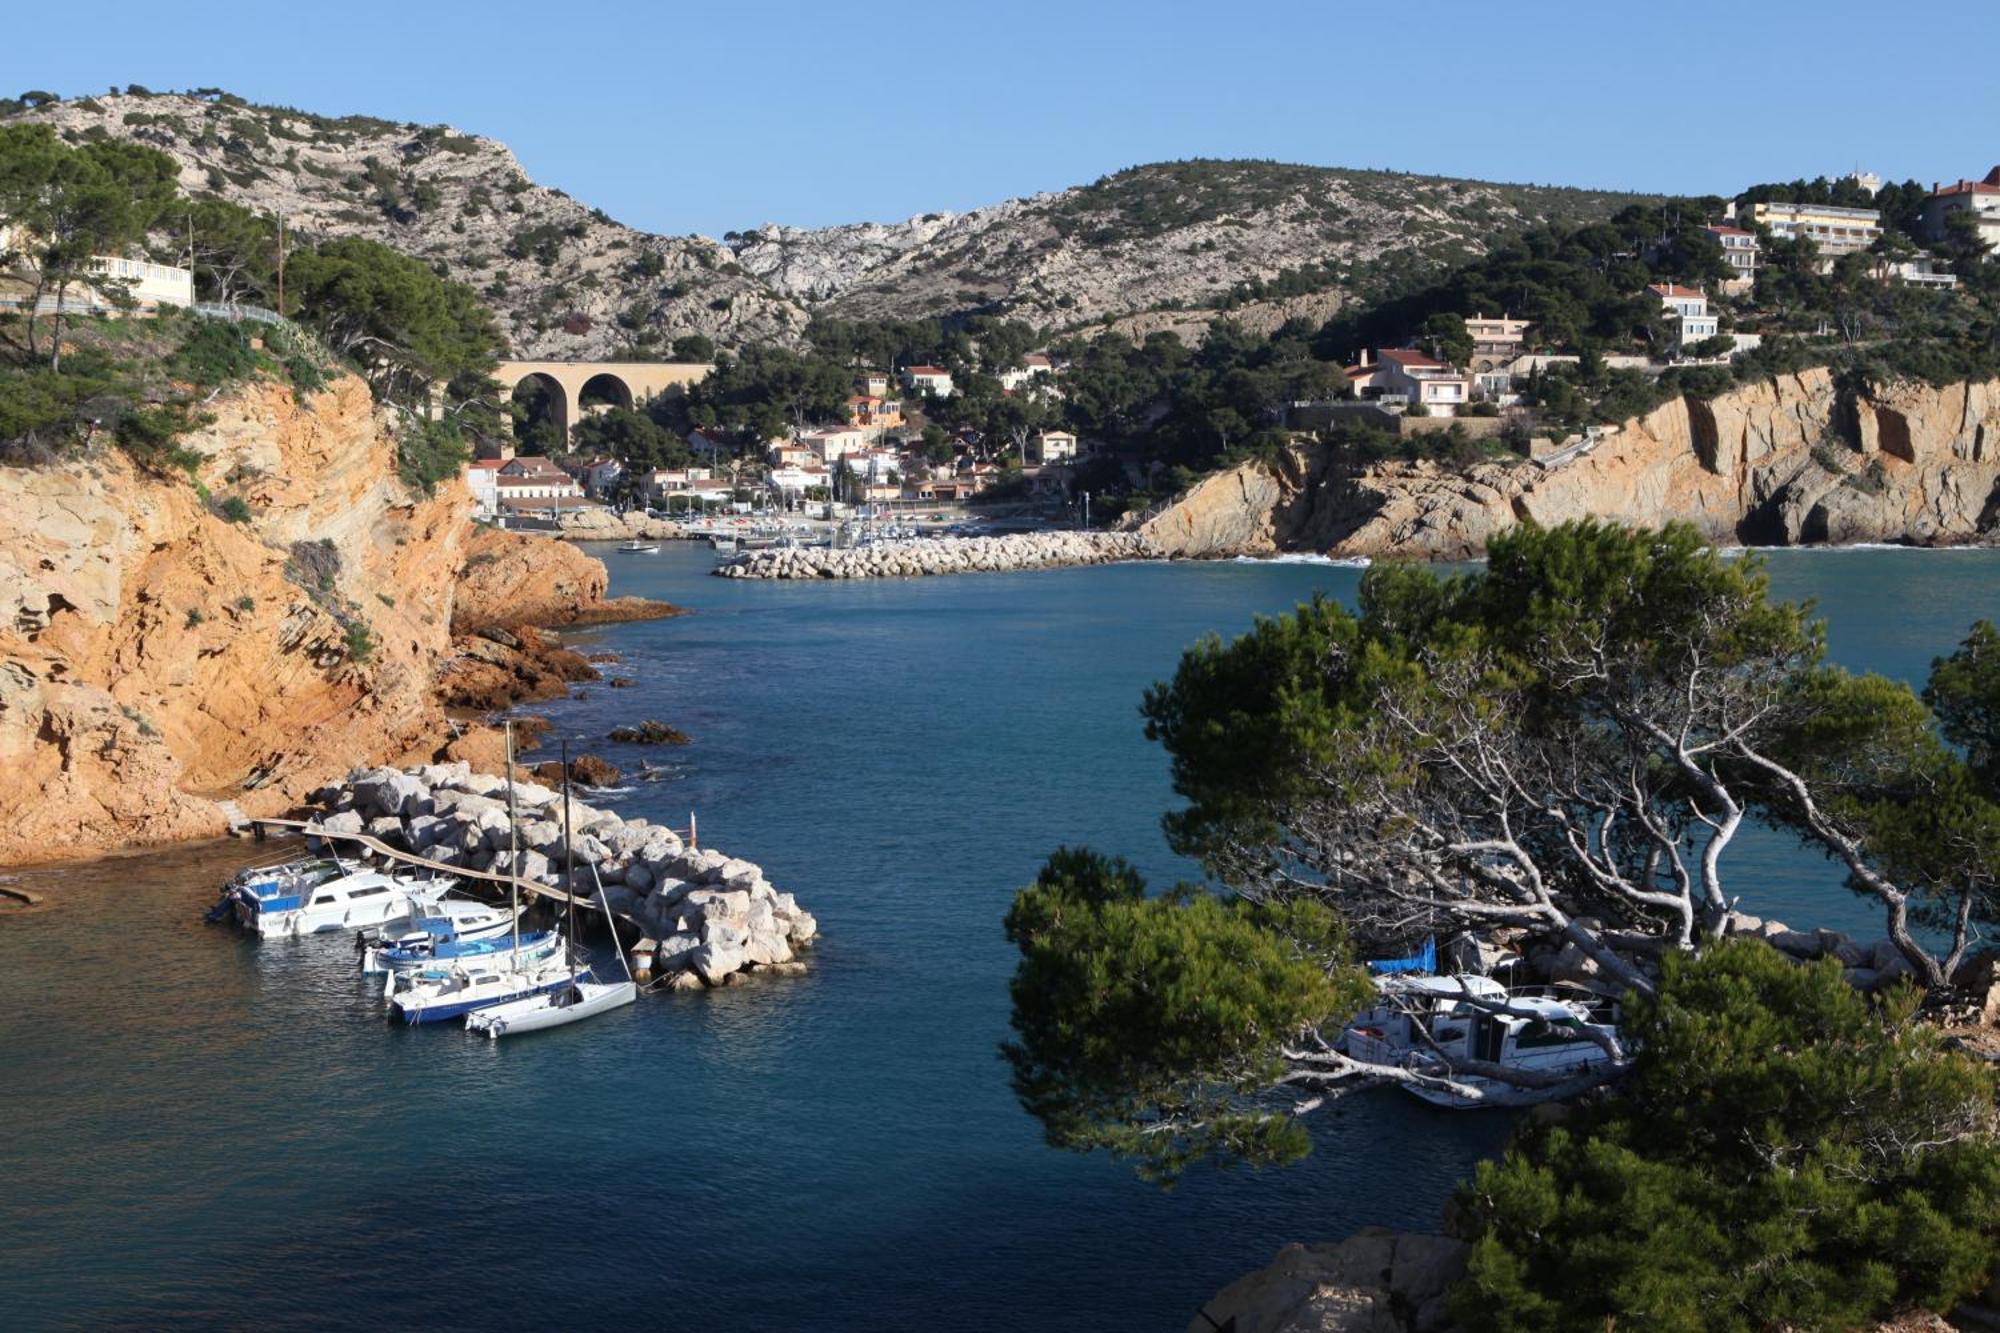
(157, 658)
(1788, 462)
(1170, 237)
(1158, 246)
(559, 275)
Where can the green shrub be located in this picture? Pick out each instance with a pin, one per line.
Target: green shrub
(1787, 1153)
(195, 617)
(150, 436)
(215, 353)
(246, 603)
(431, 452)
(235, 509)
(360, 643)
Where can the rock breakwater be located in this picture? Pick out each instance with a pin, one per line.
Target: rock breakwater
(713, 915)
(942, 555)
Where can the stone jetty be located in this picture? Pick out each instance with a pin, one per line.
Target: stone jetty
(942, 555)
(712, 914)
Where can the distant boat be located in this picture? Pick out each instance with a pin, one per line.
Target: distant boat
(637, 547)
(722, 543)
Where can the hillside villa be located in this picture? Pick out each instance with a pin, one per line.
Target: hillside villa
(1979, 199)
(933, 380)
(1686, 311)
(1050, 446)
(146, 285)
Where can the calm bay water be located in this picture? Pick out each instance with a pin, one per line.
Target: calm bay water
(197, 1128)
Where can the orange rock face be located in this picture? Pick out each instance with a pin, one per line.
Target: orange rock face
(515, 578)
(1785, 462)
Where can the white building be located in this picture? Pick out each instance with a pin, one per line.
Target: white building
(1687, 313)
(534, 478)
(1739, 251)
(1051, 446)
(1421, 379)
(836, 443)
(481, 478)
(932, 380)
(147, 285)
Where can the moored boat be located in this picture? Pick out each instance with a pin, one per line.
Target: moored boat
(568, 1004)
(314, 903)
(1538, 1033)
(433, 997)
(458, 928)
(583, 998)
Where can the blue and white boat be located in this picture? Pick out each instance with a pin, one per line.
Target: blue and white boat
(274, 880)
(454, 921)
(349, 899)
(439, 994)
(427, 951)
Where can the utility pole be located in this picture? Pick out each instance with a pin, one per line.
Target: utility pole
(281, 263)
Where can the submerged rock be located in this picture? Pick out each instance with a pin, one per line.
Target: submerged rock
(650, 733)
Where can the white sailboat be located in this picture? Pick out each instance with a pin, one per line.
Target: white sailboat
(582, 998)
(435, 995)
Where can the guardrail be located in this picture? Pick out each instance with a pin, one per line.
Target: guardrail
(238, 314)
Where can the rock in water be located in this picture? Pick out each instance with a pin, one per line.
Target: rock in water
(943, 555)
(650, 733)
(715, 915)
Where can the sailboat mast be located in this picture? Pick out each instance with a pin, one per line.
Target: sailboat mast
(569, 876)
(513, 852)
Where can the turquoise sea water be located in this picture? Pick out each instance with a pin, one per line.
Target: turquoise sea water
(195, 1128)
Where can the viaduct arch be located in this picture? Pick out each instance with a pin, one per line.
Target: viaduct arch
(627, 383)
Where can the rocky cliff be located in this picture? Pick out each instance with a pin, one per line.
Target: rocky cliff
(1787, 462)
(156, 657)
(1165, 245)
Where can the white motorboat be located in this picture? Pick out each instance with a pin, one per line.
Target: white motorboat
(1540, 1033)
(356, 900)
(637, 547)
(1386, 1033)
(276, 879)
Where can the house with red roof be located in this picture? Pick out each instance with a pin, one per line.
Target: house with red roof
(1980, 199)
(1686, 312)
(1422, 379)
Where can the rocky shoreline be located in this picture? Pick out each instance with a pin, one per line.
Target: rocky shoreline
(712, 916)
(924, 556)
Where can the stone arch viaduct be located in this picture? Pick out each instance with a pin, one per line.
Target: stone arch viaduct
(626, 383)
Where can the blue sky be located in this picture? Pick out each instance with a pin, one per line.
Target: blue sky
(679, 117)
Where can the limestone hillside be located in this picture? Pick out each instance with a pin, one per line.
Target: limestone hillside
(1155, 246)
